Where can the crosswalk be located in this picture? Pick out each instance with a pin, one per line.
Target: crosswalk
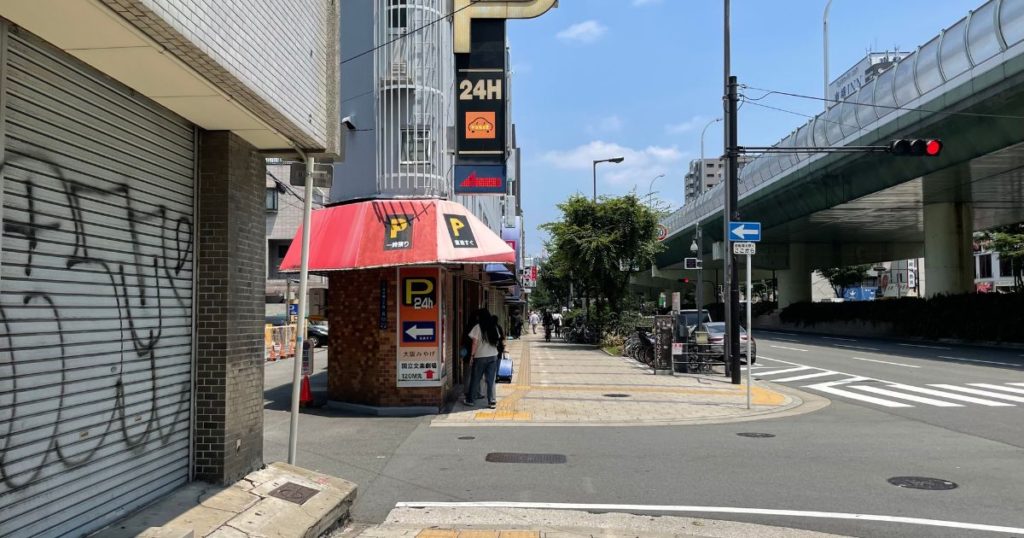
(891, 394)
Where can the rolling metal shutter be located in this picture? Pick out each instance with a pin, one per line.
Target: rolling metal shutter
(96, 303)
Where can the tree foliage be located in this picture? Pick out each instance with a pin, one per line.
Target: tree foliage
(1008, 241)
(843, 277)
(598, 245)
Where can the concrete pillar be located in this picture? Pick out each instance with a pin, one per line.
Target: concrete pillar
(230, 287)
(949, 259)
(795, 282)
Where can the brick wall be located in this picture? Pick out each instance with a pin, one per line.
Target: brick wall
(228, 441)
(362, 367)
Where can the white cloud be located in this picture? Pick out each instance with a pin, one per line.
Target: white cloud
(686, 126)
(583, 32)
(607, 124)
(637, 170)
(645, 2)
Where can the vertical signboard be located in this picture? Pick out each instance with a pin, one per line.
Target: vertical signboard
(420, 363)
(481, 96)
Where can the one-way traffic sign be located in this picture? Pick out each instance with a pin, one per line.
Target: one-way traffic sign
(744, 231)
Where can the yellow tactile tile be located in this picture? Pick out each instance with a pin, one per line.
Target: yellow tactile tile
(519, 534)
(478, 534)
(438, 533)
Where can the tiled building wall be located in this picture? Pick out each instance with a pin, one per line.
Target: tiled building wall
(280, 59)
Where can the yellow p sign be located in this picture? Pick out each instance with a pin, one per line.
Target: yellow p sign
(419, 292)
(398, 225)
(456, 224)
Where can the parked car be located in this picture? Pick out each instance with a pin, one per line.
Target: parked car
(689, 319)
(716, 337)
(317, 333)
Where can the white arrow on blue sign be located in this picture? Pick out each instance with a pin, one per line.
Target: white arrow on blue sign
(744, 231)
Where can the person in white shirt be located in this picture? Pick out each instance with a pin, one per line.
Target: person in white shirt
(486, 339)
(557, 317)
(534, 320)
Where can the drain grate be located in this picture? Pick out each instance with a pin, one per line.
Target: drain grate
(922, 482)
(756, 435)
(524, 457)
(292, 492)
(616, 395)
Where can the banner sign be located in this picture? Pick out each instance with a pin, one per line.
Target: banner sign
(420, 363)
(481, 96)
(459, 231)
(480, 179)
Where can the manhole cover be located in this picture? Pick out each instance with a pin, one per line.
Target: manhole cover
(616, 395)
(922, 482)
(524, 457)
(292, 492)
(466, 438)
(756, 435)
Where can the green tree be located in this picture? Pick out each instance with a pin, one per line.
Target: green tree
(844, 277)
(599, 245)
(1008, 241)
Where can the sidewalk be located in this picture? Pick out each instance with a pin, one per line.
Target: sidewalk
(555, 383)
(278, 501)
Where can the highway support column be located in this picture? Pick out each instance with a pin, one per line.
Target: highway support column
(795, 282)
(948, 253)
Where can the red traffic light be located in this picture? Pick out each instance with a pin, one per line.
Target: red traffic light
(917, 147)
(684, 280)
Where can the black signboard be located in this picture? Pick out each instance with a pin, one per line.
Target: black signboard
(481, 95)
(459, 231)
(662, 342)
(397, 232)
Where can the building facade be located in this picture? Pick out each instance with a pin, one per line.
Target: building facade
(699, 179)
(992, 273)
(131, 299)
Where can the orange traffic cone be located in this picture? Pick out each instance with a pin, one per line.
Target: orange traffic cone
(305, 393)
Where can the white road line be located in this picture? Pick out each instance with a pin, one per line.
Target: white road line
(760, 357)
(902, 396)
(986, 393)
(1017, 384)
(840, 339)
(830, 388)
(718, 510)
(787, 340)
(784, 371)
(864, 348)
(980, 361)
(802, 377)
(884, 362)
(783, 334)
(997, 387)
(789, 348)
(924, 346)
(950, 396)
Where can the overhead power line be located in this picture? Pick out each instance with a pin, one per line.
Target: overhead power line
(403, 36)
(887, 107)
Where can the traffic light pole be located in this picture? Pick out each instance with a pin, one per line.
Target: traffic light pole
(732, 306)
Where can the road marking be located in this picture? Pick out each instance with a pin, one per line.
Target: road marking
(784, 371)
(830, 388)
(787, 340)
(840, 339)
(884, 362)
(924, 346)
(979, 392)
(778, 360)
(980, 361)
(864, 348)
(901, 396)
(950, 396)
(1018, 384)
(789, 348)
(802, 377)
(718, 510)
(997, 387)
(783, 334)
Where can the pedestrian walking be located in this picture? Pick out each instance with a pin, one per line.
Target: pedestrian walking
(485, 337)
(557, 319)
(549, 324)
(534, 320)
(466, 353)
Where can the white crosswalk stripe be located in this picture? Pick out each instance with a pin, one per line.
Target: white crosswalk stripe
(996, 387)
(805, 376)
(830, 388)
(784, 371)
(979, 392)
(951, 396)
(904, 396)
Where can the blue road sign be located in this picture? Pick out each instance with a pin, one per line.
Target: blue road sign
(293, 309)
(744, 231)
(419, 331)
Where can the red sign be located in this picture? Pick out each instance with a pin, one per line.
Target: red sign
(662, 232)
(533, 272)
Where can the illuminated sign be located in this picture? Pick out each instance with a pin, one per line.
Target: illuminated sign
(480, 179)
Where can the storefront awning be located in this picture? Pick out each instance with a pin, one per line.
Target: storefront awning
(388, 233)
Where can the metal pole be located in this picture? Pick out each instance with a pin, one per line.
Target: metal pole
(300, 324)
(732, 307)
(824, 40)
(595, 182)
(700, 275)
(750, 333)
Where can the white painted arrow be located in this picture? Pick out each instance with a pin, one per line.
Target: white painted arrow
(415, 331)
(743, 232)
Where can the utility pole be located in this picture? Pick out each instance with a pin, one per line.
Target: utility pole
(732, 298)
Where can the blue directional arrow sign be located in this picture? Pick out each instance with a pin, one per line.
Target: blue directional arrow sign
(744, 231)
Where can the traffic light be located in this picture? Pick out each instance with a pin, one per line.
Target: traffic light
(691, 263)
(684, 280)
(916, 147)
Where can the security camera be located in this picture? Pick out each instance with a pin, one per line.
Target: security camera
(348, 123)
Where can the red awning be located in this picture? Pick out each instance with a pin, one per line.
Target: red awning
(387, 233)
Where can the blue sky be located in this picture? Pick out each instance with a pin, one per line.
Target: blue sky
(640, 78)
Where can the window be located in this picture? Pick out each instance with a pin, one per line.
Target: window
(1005, 268)
(712, 175)
(415, 146)
(985, 266)
(398, 14)
(282, 250)
(271, 199)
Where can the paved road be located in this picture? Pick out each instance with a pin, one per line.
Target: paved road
(836, 460)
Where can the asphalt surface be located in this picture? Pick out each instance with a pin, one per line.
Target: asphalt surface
(835, 460)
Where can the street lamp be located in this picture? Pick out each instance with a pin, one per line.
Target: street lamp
(700, 189)
(615, 160)
(650, 188)
(824, 41)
